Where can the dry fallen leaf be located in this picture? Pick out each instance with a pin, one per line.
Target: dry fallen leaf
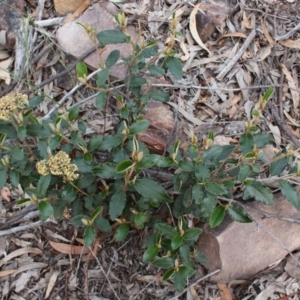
(69, 249)
(290, 44)
(266, 33)
(51, 284)
(5, 193)
(193, 28)
(4, 74)
(233, 34)
(246, 21)
(224, 291)
(292, 85)
(276, 133)
(6, 272)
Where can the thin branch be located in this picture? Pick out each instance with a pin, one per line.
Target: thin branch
(20, 228)
(196, 282)
(288, 34)
(106, 276)
(237, 56)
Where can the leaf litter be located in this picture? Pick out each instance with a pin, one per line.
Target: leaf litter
(212, 97)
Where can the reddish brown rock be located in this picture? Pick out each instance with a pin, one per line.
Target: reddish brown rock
(63, 7)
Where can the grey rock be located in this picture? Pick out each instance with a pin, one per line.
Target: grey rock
(73, 39)
(247, 248)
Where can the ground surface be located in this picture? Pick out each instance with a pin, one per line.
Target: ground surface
(116, 271)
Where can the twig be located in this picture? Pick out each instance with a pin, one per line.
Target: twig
(288, 34)
(237, 56)
(281, 124)
(280, 92)
(196, 282)
(179, 86)
(49, 22)
(20, 228)
(106, 276)
(44, 51)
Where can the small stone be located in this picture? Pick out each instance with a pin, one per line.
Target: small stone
(63, 7)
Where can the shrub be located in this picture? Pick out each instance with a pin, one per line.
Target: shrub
(100, 179)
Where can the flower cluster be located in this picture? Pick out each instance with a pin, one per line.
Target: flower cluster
(59, 165)
(10, 105)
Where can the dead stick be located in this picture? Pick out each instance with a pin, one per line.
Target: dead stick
(237, 56)
(280, 93)
(281, 124)
(196, 282)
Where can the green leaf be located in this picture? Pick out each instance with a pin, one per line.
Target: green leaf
(100, 100)
(268, 94)
(176, 241)
(179, 281)
(166, 230)
(165, 162)
(137, 81)
(94, 143)
(102, 77)
(77, 220)
(43, 184)
(186, 165)
(117, 204)
(21, 131)
(73, 113)
(23, 201)
(197, 193)
(38, 130)
(259, 192)
(261, 139)
(124, 166)
(192, 234)
(164, 262)
(150, 253)
(140, 219)
(186, 271)
(174, 66)
(278, 166)
(160, 95)
(35, 101)
(107, 170)
(121, 232)
(89, 235)
(17, 153)
(156, 71)
(226, 151)
(45, 209)
(138, 127)
(246, 143)
(290, 193)
(88, 158)
(14, 177)
(238, 214)
(212, 153)
(102, 224)
(168, 274)
(112, 58)
(148, 161)
(55, 141)
(244, 172)
(187, 197)
(217, 216)
(200, 257)
(201, 172)
(95, 213)
(214, 188)
(112, 37)
(151, 190)
(81, 70)
(110, 141)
